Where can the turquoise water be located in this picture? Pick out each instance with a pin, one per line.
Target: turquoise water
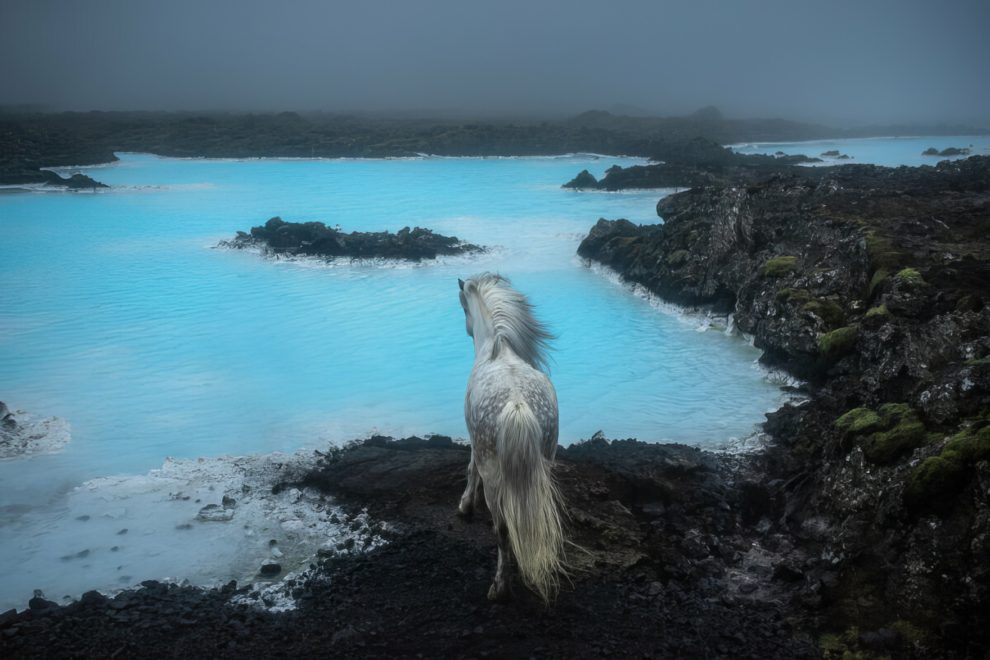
(877, 151)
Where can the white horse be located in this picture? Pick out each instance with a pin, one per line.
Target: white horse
(511, 414)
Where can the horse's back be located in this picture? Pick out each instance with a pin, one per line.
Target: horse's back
(508, 380)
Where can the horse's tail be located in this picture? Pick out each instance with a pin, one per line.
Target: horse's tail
(528, 500)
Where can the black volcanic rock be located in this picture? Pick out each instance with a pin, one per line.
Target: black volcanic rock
(316, 239)
(873, 283)
(948, 151)
(584, 179)
(77, 181)
(692, 163)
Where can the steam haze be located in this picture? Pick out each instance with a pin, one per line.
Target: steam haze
(836, 62)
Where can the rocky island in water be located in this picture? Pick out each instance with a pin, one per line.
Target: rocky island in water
(314, 239)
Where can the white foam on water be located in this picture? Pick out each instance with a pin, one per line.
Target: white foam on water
(699, 318)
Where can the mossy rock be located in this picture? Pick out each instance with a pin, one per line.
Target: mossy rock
(894, 413)
(779, 266)
(886, 446)
(888, 433)
(858, 420)
(931, 484)
(878, 311)
(977, 362)
(935, 478)
(839, 342)
(910, 275)
(971, 446)
(879, 277)
(828, 311)
(797, 296)
(882, 253)
(678, 258)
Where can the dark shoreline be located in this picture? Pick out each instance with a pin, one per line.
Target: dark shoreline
(32, 141)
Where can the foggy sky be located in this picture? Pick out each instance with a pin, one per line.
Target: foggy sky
(834, 61)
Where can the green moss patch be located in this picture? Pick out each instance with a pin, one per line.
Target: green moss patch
(828, 311)
(935, 478)
(858, 420)
(797, 296)
(878, 311)
(971, 446)
(876, 282)
(909, 275)
(837, 343)
(779, 266)
(882, 252)
(894, 413)
(884, 434)
(933, 483)
(885, 446)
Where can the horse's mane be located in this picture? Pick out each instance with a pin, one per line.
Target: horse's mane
(512, 320)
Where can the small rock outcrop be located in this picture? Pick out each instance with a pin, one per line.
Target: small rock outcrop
(948, 151)
(317, 240)
(584, 180)
(77, 181)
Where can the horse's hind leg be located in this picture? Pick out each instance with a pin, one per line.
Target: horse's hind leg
(472, 494)
(500, 586)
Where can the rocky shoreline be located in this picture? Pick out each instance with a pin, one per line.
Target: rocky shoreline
(681, 558)
(314, 239)
(30, 141)
(871, 282)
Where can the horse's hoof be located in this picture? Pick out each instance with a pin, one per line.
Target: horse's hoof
(497, 595)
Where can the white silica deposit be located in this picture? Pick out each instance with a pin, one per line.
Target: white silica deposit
(23, 435)
(205, 521)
